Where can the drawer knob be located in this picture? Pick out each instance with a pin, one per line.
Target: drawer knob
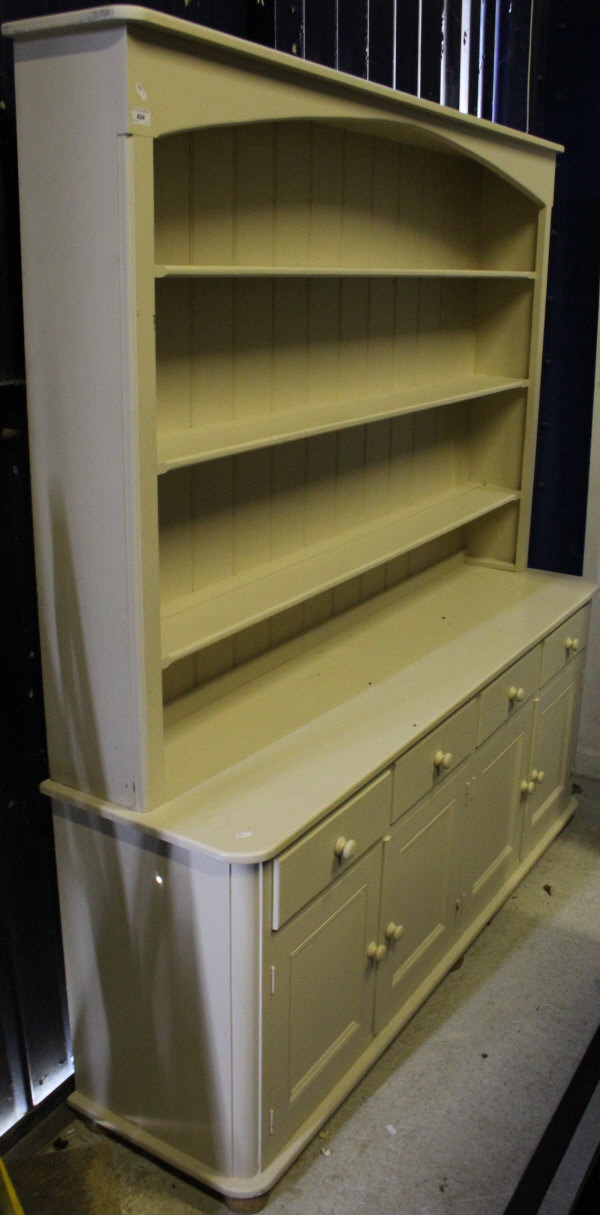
(515, 693)
(527, 786)
(443, 759)
(344, 848)
(376, 952)
(538, 776)
(572, 644)
(393, 931)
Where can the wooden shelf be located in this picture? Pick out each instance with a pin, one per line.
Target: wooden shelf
(241, 271)
(198, 620)
(198, 444)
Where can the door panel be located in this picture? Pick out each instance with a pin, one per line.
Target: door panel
(420, 883)
(493, 814)
(319, 997)
(552, 753)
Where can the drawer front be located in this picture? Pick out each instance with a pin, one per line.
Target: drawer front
(428, 762)
(565, 643)
(330, 849)
(513, 688)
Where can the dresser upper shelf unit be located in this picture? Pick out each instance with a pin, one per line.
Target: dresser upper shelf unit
(302, 330)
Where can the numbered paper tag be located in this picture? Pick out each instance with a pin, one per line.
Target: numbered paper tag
(141, 117)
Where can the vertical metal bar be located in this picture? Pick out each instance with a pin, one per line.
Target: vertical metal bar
(475, 55)
(465, 57)
(487, 68)
(497, 60)
(451, 53)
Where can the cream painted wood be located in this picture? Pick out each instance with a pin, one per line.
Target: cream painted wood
(314, 1031)
(565, 643)
(292, 724)
(548, 781)
(265, 587)
(325, 853)
(193, 445)
(428, 763)
(384, 285)
(420, 894)
(378, 937)
(492, 821)
(505, 696)
(283, 344)
(143, 925)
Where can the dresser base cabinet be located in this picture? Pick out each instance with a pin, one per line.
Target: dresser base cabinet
(222, 1008)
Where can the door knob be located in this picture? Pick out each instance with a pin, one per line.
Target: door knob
(393, 931)
(344, 849)
(443, 759)
(376, 952)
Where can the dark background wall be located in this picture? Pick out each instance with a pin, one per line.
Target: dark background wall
(532, 64)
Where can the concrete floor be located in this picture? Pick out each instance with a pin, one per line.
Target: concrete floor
(447, 1120)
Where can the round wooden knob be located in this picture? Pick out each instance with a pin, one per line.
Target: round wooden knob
(344, 848)
(515, 693)
(538, 776)
(572, 644)
(443, 759)
(376, 952)
(393, 931)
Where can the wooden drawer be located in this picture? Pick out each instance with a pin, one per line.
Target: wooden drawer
(513, 688)
(564, 643)
(323, 854)
(428, 762)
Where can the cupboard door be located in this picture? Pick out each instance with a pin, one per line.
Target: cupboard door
(493, 815)
(552, 754)
(318, 1000)
(419, 892)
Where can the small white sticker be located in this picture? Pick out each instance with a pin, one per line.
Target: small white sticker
(142, 117)
(140, 90)
(243, 835)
